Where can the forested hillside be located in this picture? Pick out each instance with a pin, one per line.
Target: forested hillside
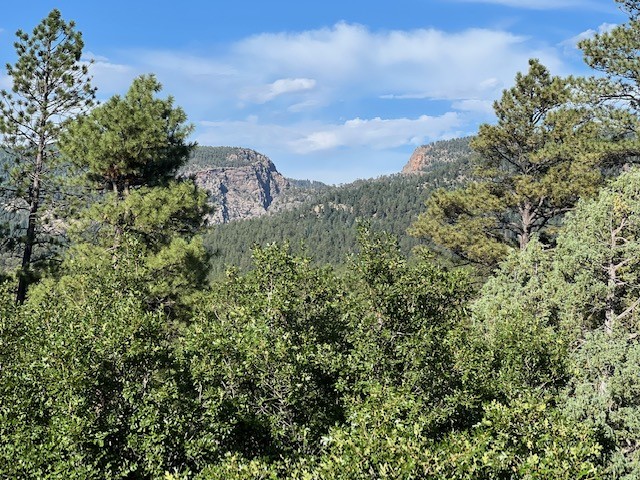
(443, 151)
(325, 226)
(127, 355)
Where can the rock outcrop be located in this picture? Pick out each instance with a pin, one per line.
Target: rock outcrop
(244, 185)
(444, 151)
(419, 160)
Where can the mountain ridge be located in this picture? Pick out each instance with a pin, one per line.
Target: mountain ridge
(242, 183)
(442, 151)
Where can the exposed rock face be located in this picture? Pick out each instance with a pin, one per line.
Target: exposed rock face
(244, 189)
(419, 159)
(438, 152)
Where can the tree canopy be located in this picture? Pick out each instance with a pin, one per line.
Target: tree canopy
(49, 85)
(132, 140)
(130, 148)
(125, 363)
(532, 167)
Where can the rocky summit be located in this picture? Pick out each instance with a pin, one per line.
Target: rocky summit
(240, 182)
(444, 151)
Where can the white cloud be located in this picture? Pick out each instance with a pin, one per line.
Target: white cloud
(280, 87)
(192, 79)
(302, 106)
(571, 44)
(334, 153)
(474, 105)
(5, 81)
(111, 77)
(248, 132)
(323, 66)
(92, 57)
(292, 94)
(188, 65)
(424, 62)
(377, 133)
(305, 138)
(289, 85)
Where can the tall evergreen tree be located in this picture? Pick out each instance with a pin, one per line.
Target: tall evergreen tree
(532, 167)
(598, 257)
(615, 54)
(50, 85)
(615, 92)
(130, 147)
(132, 140)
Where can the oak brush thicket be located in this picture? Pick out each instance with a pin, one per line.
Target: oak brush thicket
(124, 363)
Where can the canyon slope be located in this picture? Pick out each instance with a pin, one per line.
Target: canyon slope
(244, 184)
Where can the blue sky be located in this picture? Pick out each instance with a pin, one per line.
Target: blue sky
(331, 90)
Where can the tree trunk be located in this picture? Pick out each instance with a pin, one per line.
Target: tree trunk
(612, 280)
(526, 215)
(610, 299)
(30, 239)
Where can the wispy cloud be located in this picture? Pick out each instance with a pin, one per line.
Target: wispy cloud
(280, 87)
(377, 133)
(315, 69)
(5, 81)
(331, 152)
(474, 105)
(572, 43)
(426, 62)
(305, 138)
(110, 77)
(303, 94)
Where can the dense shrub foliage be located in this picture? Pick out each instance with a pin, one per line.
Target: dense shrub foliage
(293, 371)
(123, 362)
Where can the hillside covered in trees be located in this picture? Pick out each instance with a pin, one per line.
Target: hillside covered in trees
(325, 225)
(507, 347)
(424, 157)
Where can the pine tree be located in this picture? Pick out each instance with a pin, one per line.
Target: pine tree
(615, 93)
(50, 85)
(615, 54)
(532, 167)
(132, 140)
(130, 148)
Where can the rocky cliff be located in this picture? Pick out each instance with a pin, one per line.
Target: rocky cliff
(241, 183)
(445, 151)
